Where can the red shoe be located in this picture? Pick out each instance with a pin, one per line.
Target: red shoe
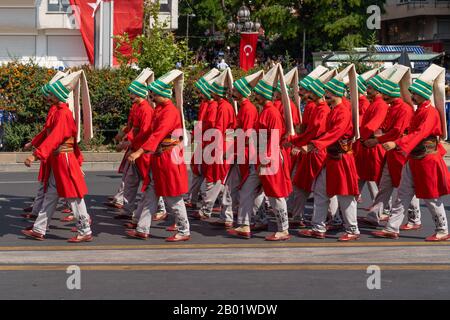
(349, 237)
(130, 225)
(408, 227)
(220, 223)
(33, 235)
(113, 205)
(68, 218)
(259, 227)
(312, 234)
(217, 209)
(199, 216)
(273, 237)
(385, 234)
(78, 239)
(239, 234)
(435, 238)
(172, 228)
(29, 216)
(174, 238)
(122, 217)
(66, 210)
(137, 234)
(160, 217)
(28, 209)
(297, 225)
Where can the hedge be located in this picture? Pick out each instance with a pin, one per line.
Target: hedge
(20, 92)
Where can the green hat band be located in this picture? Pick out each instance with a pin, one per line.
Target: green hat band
(160, 88)
(59, 91)
(219, 90)
(278, 88)
(336, 87)
(390, 88)
(243, 87)
(138, 89)
(305, 82)
(376, 82)
(362, 84)
(203, 86)
(316, 87)
(422, 88)
(45, 89)
(264, 90)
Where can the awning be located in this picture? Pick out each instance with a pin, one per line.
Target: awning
(391, 48)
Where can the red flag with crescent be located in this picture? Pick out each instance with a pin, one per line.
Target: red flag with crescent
(247, 55)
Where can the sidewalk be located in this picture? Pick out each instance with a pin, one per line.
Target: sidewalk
(93, 161)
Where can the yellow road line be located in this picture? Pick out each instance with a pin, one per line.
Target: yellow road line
(230, 267)
(227, 246)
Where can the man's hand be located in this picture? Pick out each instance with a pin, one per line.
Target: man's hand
(133, 156)
(29, 160)
(308, 148)
(295, 151)
(370, 143)
(389, 145)
(27, 147)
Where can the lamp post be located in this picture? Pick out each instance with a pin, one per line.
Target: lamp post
(244, 22)
(187, 30)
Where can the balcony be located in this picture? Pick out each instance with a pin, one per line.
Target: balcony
(399, 9)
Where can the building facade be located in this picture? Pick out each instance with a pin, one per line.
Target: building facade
(417, 22)
(44, 31)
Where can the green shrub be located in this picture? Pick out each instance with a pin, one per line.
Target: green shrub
(16, 135)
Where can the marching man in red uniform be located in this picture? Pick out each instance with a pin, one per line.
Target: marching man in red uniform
(65, 178)
(425, 173)
(338, 176)
(217, 168)
(396, 124)
(204, 114)
(311, 163)
(169, 177)
(372, 113)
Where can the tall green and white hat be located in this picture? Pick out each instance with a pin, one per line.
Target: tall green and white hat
(266, 86)
(163, 87)
(222, 83)
(397, 84)
(316, 73)
(76, 82)
(377, 80)
(246, 84)
(316, 86)
(363, 78)
(204, 83)
(45, 89)
(140, 84)
(431, 86)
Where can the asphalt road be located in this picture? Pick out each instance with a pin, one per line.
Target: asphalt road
(211, 265)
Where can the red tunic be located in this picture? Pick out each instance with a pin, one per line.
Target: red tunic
(363, 105)
(342, 178)
(370, 161)
(247, 119)
(430, 174)
(37, 140)
(142, 125)
(277, 184)
(311, 163)
(225, 119)
(309, 107)
(209, 121)
(202, 113)
(129, 133)
(395, 125)
(65, 166)
(169, 170)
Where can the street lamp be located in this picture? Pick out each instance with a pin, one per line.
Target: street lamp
(187, 29)
(244, 22)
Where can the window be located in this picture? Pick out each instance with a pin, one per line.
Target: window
(58, 5)
(165, 5)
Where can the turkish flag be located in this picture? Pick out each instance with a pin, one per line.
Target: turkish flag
(247, 50)
(128, 17)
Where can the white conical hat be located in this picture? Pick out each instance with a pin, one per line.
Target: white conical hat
(398, 83)
(316, 73)
(337, 87)
(246, 84)
(327, 76)
(431, 85)
(76, 82)
(203, 84)
(162, 86)
(291, 80)
(139, 85)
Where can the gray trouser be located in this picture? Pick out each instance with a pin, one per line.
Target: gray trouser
(405, 194)
(132, 181)
(259, 209)
(173, 205)
(279, 206)
(118, 197)
(39, 199)
(383, 199)
(230, 197)
(300, 197)
(346, 204)
(372, 185)
(144, 203)
(292, 197)
(250, 198)
(211, 194)
(51, 197)
(195, 188)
